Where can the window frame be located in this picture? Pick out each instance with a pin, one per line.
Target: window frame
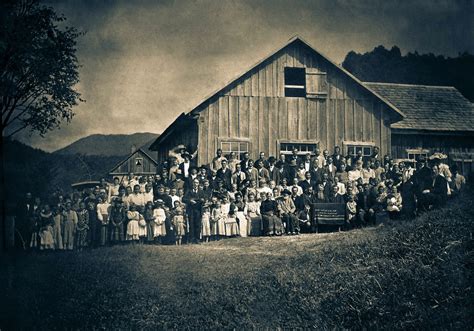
(296, 142)
(417, 152)
(294, 87)
(358, 144)
(238, 153)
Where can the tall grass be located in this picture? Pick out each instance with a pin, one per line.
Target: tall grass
(401, 275)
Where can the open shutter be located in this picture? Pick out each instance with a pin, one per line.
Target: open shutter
(316, 84)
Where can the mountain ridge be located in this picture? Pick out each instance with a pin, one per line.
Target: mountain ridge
(108, 144)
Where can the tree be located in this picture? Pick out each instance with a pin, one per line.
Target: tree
(38, 73)
(390, 66)
(38, 68)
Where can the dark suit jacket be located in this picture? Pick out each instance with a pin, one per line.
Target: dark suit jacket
(243, 165)
(304, 184)
(274, 174)
(331, 172)
(335, 198)
(225, 176)
(316, 174)
(337, 160)
(440, 187)
(299, 202)
(198, 196)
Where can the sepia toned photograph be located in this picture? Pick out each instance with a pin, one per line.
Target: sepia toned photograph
(237, 164)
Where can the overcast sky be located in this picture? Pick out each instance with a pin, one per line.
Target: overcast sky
(145, 62)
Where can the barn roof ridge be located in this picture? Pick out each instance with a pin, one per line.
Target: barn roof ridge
(130, 155)
(410, 85)
(289, 42)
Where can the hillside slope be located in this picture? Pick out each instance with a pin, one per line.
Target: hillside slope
(404, 275)
(108, 145)
(32, 170)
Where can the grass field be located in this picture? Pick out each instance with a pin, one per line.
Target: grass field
(405, 275)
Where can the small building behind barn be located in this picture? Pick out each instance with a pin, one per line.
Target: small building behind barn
(437, 119)
(138, 163)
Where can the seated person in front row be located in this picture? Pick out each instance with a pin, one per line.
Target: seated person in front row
(287, 211)
(335, 197)
(271, 222)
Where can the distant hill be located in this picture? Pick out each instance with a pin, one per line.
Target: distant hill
(32, 170)
(109, 145)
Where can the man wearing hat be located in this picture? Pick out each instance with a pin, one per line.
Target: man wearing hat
(178, 152)
(185, 165)
(287, 213)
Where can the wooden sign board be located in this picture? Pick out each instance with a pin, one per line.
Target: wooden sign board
(329, 213)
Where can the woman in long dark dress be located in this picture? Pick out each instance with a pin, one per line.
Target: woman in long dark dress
(82, 226)
(118, 214)
(93, 223)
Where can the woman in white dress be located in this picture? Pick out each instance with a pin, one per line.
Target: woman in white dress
(70, 223)
(57, 226)
(217, 221)
(241, 214)
(229, 209)
(46, 229)
(254, 217)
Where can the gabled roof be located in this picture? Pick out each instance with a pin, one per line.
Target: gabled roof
(129, 156)
(299, 39)
(439, 108)
(295, 39)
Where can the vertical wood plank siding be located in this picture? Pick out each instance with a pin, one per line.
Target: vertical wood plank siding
(254, 108)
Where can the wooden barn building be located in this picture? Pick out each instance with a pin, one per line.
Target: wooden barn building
(295, 98)
(437, 119)
(138, 163)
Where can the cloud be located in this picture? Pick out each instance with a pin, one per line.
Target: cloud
(145, 62)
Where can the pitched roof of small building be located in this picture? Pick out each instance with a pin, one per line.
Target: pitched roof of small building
(140, 151)
(435, 108)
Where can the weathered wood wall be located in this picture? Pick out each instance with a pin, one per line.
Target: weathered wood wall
(254, 109)
(446, 143)
(184, 133)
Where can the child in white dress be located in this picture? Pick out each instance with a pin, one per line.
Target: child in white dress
(160, 221)
(206, 223)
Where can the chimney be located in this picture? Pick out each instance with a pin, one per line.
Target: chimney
(133, 149)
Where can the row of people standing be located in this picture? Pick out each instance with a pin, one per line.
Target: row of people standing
(108, 213)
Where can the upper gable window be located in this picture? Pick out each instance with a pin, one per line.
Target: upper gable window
(295, 82)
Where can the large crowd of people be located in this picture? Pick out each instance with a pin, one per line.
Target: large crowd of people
(235, 196)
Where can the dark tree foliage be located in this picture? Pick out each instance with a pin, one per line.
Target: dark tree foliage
(32, 170)
(383, 65)
(38, 68)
